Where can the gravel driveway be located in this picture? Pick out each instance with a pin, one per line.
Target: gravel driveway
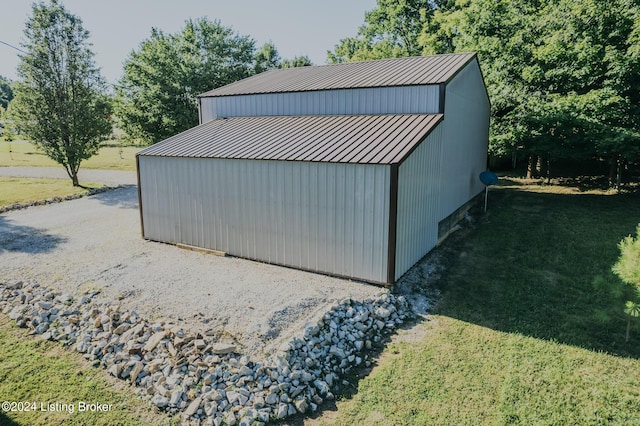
(109, 177)
(94, 243)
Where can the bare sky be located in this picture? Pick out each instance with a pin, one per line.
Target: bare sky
(296, 27)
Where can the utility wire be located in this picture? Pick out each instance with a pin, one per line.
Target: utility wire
(13, 47)
(20, 50)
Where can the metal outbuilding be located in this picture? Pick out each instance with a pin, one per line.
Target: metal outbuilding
(354, 170)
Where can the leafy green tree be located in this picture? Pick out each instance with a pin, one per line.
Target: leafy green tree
(3, 113)
(267, 57)
(581, 60)
(60, 103)
(297, 61)
(558, 73)
(6, 93)
(390, 30)
(156, 97)
(627, 268)
(6, 128)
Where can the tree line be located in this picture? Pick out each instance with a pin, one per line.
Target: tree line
(563, 76)
(63, 104)
(156, 97)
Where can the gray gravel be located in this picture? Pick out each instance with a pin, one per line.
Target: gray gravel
(95, 243)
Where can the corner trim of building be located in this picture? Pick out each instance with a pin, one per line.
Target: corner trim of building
(140, 196)
(442, 90)
(393, 224)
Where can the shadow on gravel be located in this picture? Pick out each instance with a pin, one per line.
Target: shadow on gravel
(125, 197)
(26, 239)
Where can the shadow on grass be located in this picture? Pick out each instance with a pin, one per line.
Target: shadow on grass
(539, 264)
(26, 239)
(125, 197)
(6, 421)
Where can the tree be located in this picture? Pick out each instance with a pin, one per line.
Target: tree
(6, 94)
(297, 61)
(627, 268)
(60, 103)
(581, 61)
(6, 128)
(266, 58)
(561, 75)
(156, 97)
(391, 30)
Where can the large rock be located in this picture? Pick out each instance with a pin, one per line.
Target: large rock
(176, 397)
(135, 371)
(45, 305)
(282, 411)
(115, 370)
(193, 407)
(301, 405)
(154, 341)
(17, 311)
(232, 396)
(272, 398)
(42, 327)
(223, 348)
(13, 285)
(160, 401)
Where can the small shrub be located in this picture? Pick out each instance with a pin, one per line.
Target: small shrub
(627, 268)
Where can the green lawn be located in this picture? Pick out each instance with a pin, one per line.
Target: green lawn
(24, 190)
(25, 154)
(43, 372)
(529, 329)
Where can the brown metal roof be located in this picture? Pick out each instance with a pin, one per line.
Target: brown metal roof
(418, 70)
(363, 139)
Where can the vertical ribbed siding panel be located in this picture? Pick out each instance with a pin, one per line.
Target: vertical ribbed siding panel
(419, 194)
(358, 219)
(324, 217)
(341, 191)
(314, 220)
(281, 219)
(207, 110)
(466, 126)
(377, 100)
(261, 216)
(292, 207)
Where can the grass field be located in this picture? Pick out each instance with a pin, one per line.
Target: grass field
(24, 190)
(25, 154)
(530, 327)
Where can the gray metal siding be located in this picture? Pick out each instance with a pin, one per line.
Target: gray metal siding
(325, 217)
(466, 135)
(441, 174)
(419, 195)
(378, 100)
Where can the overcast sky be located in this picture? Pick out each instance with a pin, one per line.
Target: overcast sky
(296, 27)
